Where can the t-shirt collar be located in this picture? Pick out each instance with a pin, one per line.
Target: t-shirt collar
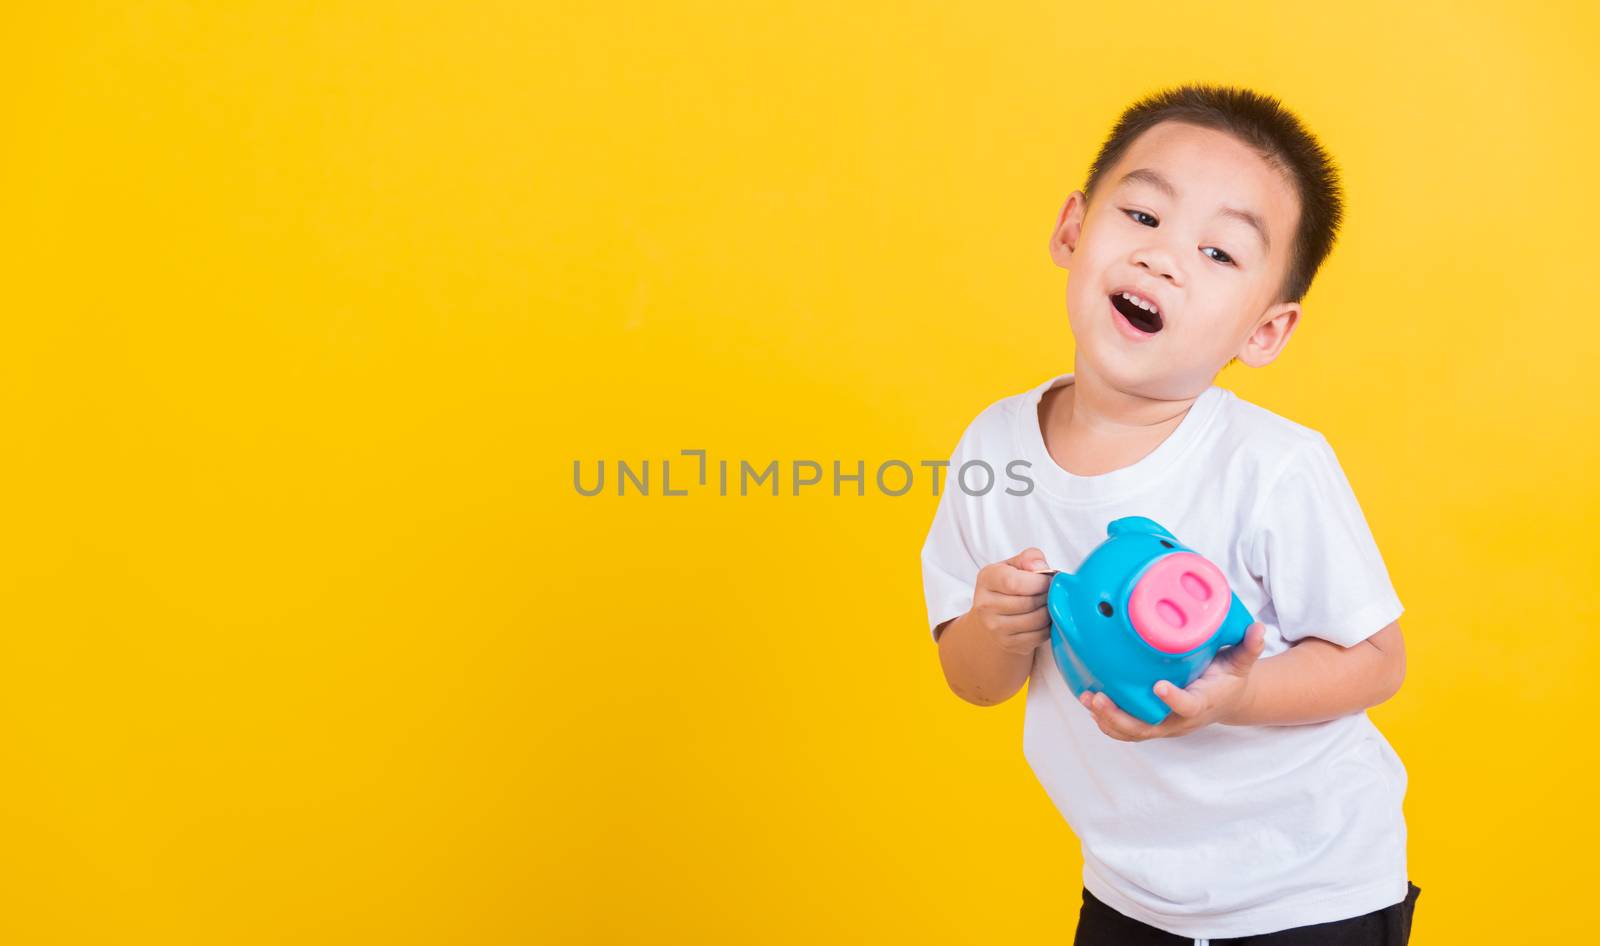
(1061, 485)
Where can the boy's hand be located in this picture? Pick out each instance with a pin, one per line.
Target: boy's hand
(1214, 697)
(1008, 603)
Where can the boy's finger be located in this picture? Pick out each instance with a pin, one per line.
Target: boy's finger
(1101, 721)
(1023, 623)
(1018, 604)
(1180, 700)
(1014, 581)
(1119, 723)
(1095, 703)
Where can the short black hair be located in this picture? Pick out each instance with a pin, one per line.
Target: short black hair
(1260, 122)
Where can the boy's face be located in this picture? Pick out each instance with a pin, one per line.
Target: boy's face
(1211, 274)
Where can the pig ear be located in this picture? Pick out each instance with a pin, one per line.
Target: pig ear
(1057, 601)
(1136, 525)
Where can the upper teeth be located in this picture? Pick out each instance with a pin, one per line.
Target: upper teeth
(1148, 306)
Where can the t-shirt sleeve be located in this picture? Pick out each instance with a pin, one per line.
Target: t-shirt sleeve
(950, 560)
(1315, 554)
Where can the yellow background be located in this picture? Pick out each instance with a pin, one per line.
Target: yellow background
(310, 307)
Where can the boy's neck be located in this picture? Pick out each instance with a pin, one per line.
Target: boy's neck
(1091, 428)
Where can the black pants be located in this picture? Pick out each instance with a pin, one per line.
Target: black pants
(1100, 925)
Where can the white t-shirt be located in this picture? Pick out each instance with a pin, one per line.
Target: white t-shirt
(1228, 830)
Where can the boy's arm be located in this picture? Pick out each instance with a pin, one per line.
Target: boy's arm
(1313, 681)
(1317, 680)
(975, 669)
(1317, 559)
(987, 652)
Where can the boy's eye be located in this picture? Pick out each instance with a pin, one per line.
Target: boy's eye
(1221, 257)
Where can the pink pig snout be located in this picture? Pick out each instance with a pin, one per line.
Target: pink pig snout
(1179, 602)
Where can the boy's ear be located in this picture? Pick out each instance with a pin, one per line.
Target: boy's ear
(1064, 238)
(1271, 334)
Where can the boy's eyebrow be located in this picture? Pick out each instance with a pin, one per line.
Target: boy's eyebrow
(1154, 178)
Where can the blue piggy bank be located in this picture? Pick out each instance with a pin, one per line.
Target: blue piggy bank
(1142, 608)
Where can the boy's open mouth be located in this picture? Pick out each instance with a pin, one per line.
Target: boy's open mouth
(1141, 318)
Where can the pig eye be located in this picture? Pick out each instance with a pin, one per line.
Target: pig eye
(1105, 608)
(1165, 544)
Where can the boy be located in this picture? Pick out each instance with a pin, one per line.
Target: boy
(1267, 805)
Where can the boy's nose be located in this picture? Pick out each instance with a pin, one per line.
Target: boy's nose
(1179, 602)
(1159, 260)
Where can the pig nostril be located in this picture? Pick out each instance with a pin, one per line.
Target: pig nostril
(1105, 608)
(1196, 586)
(1170, 613)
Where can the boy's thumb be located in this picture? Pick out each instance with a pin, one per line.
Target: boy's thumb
(1028, 559)
(1249, 650)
